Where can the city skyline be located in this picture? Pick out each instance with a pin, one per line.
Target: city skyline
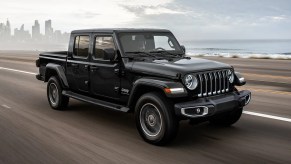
(35, 35)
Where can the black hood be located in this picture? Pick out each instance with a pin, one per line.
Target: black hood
(174, 69)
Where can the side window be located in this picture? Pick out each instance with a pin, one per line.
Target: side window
(81, 46)
(102, 43)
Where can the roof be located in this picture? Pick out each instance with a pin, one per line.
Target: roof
(111, 30)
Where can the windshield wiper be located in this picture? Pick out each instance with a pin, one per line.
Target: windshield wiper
(141, 54)
(168, 53)
(171, 54)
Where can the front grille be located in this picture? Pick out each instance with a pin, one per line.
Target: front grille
(213, 83)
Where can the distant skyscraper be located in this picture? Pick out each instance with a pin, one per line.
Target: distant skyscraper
(8, 29)
(21, 35)
(22, 27)
(5, 31)
(48, 29)
(36, 30)
(2, 29)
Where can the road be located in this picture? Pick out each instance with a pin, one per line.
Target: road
(31, 132)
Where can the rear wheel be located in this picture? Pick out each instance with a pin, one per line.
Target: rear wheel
(155, 119)
(54, 94)
(227, 119)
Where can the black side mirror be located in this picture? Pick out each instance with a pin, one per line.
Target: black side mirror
(109, 54)
(183, 48)
(239, 80)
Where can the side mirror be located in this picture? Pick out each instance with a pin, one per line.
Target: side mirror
(109, 54)
(239, 80)
(183, 48)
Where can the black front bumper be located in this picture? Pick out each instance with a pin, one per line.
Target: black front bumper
(210, 106)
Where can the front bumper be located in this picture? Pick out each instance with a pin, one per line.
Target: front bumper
(210, 106)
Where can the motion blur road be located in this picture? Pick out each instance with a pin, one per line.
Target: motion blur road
(31, 132)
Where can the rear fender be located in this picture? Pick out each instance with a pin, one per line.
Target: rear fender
(59, 70)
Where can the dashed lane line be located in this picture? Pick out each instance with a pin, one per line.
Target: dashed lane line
(15, 70)
(266, 76)
(267, 116)
(267, 91)
(6, 106)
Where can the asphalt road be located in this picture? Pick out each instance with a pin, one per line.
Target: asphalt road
(31, 132)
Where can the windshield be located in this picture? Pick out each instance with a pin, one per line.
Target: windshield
(149, 42)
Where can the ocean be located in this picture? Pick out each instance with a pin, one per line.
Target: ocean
(240, 48)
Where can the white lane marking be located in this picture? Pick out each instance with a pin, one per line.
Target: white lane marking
(6, 106)
(15, 70)
(267, 116)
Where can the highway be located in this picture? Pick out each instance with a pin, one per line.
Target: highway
(31, 132)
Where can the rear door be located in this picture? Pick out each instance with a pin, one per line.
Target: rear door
(77, 64)
(104, 79)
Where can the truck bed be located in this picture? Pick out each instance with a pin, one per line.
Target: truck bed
(58, 57)
(55, 56)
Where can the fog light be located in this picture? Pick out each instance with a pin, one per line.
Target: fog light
(198, 110)
(193, 112)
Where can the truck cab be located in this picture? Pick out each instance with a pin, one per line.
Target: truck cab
(145, 72)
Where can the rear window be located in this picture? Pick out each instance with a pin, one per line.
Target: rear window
(81, 46)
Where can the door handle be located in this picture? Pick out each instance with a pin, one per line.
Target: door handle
(75, 65)
(94, 68)
(86, 67)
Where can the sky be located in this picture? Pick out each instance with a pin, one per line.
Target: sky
(187, 19)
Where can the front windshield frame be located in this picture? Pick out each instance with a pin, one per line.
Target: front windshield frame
(169, 34)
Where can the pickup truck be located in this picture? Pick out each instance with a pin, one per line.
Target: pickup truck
(145, 72)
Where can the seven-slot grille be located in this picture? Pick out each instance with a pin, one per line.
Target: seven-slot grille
(213, 83)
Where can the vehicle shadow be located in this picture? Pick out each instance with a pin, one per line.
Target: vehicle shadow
(188, 135)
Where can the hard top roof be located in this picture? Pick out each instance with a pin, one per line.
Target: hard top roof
(112, 30)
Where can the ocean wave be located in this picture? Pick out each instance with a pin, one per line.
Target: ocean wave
(215, 49)
(245, 55)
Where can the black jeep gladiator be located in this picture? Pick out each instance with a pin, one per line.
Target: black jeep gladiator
(146, 72)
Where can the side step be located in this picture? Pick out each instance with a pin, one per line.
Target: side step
(96, 101)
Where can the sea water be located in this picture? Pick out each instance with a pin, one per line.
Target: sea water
(240, 48)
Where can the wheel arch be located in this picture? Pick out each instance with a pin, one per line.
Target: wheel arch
(56, 70)
(146, 85)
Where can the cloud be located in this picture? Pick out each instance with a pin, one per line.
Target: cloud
(278, 18)
(189, 19)
(144, 8)
(162, 10)
(274, 19)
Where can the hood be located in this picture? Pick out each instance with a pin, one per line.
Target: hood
(176, 68)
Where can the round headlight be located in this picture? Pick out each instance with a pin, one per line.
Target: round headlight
(230, 76)
(191, 82)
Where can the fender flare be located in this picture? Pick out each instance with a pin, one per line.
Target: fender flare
(158, 84)
(59, 70)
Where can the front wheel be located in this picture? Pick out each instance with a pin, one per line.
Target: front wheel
(227, 119)
(54, 94)
(155, 119)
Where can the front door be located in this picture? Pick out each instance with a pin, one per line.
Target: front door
(77, 64)
(104, 79)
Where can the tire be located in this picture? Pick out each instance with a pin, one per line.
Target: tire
(155, 119)
(55, 98)
(227, 119)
